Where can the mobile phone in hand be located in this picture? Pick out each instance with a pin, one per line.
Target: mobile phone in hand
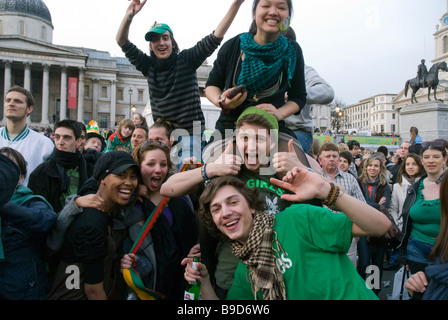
(236, 90)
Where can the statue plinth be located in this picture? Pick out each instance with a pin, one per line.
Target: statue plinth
(430, 117)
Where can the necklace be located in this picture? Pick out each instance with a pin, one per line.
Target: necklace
(436, 182)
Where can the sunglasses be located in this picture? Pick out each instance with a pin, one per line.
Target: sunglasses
(435, 143)
(374, 156)
(153, 142)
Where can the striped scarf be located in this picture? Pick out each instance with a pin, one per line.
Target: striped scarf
(263, 64)
(257, 254)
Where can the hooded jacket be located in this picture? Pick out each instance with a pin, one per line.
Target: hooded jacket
(437, 274)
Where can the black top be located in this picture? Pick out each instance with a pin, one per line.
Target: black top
(87, 242)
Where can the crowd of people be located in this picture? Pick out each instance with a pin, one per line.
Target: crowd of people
(272, 215)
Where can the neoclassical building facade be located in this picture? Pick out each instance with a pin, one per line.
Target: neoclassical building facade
(67, 82)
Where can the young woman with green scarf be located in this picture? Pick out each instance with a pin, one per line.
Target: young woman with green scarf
(269, 65)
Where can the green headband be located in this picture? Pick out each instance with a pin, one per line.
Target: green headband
(263, 113)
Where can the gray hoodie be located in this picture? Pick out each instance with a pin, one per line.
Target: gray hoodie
(318, 92)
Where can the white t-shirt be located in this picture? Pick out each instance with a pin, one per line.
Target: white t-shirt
(34, 147)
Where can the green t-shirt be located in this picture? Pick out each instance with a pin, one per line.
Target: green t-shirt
(316, 266)
(73, 175)
(425, 215)
(269, 193)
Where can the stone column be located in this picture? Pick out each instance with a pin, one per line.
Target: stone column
(27, 82)
(63, 97)
(27, 76)
(7, 80)
(81, 95)
(45, 95)
(113, 104)
(95, 93)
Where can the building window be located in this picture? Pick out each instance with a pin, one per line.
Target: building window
(140, 95)
(120, 94)
(104, 92)
(393, 116)
(445, 44)
(86, 91)
(103, 121)
(21, 27)
(44, 33)
(392, 127)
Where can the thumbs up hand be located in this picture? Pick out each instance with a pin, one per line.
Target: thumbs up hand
(285, 161)
(227, 164)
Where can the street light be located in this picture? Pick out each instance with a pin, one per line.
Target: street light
(339, 114)
(130, 106)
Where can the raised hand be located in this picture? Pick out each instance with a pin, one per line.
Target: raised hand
(226, 164)
(285, 161)
(135, 7)
(304, 184)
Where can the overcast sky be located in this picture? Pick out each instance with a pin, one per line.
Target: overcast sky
(361, 47)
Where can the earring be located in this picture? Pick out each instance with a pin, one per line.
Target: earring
(285, 24)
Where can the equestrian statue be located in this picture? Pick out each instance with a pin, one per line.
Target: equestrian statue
(425, 79)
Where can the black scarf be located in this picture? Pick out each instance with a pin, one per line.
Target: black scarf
(69, 160)
(165, 64)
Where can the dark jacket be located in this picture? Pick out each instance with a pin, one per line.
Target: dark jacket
(171, 245)
(437, 275)
(378, 192)
(9, 177)
(47, 180)
(23, 274)
(411, 196)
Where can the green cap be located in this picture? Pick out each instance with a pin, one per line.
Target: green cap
(261, 112)
(157, 28)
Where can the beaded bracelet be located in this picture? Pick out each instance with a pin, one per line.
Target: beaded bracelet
(332, 195)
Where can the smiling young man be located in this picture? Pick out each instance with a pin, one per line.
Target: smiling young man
(300, 253)
(35, 147)
(171, 73)
(139, 135)
(66, 170)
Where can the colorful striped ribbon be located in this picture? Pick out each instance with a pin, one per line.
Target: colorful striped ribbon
(131, 276)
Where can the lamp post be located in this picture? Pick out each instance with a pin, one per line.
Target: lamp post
(339, 114)
(130, 106)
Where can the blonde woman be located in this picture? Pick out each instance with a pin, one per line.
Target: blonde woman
(377, 193)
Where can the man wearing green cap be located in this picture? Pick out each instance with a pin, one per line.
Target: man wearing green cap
(171, 74)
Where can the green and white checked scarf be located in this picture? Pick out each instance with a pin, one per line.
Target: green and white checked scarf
(263, 64)
(257, 253)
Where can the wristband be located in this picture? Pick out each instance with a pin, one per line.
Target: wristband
(204, 175)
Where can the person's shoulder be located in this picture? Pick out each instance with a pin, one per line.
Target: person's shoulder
(39, 136)
(233, 41)
(348, 176)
